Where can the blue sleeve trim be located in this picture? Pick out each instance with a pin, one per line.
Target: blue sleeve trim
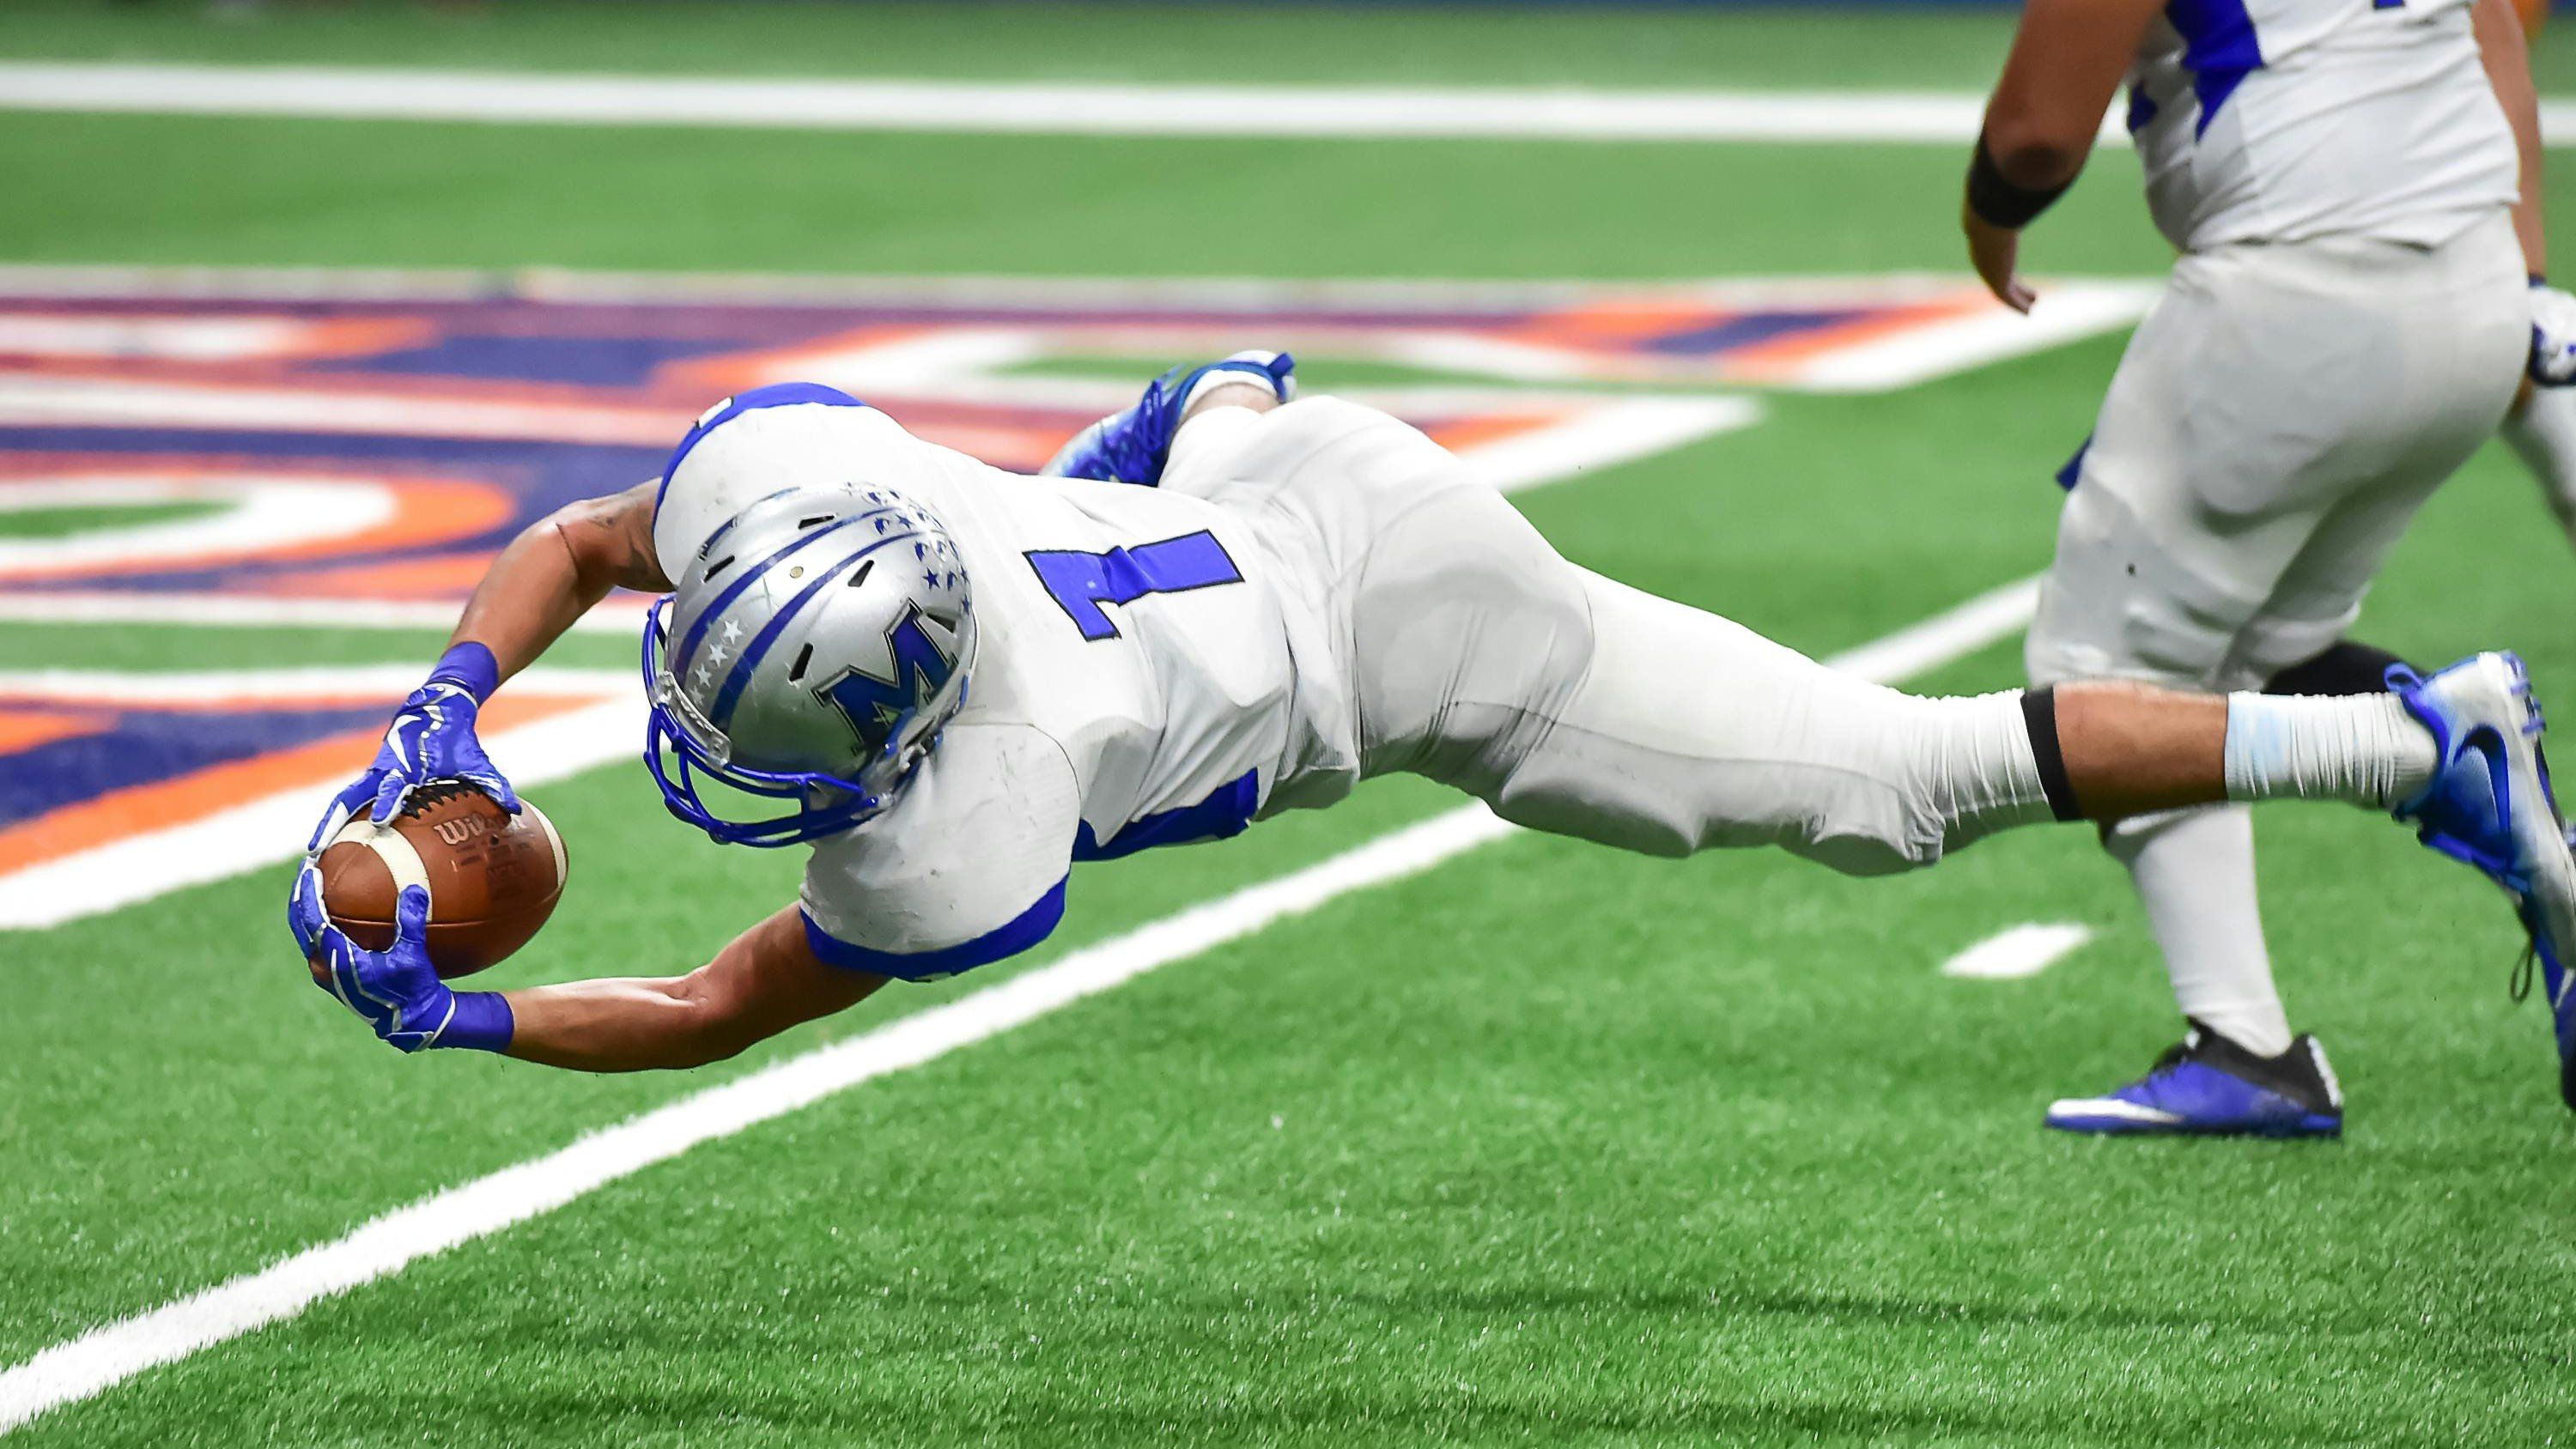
(2142, 108)
(1223, 814)
(2220, 49)
(775, 395)
(2074, 469)
(1030, 927)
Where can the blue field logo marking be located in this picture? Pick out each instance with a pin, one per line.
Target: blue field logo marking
(376, 447)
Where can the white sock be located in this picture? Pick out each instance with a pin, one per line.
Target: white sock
(2194, 870)
(1977, 766)
(1230, 377)
(2363, 748)
(2543, 432)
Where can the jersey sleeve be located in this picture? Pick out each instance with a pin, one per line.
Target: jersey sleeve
(765, 441)
(968, 866)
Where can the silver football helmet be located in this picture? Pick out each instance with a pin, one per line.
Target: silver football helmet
(812, 651)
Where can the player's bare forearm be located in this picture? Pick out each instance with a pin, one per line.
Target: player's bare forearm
(2066, 63)
(2508, 61)
(556, 569)
(766, 981)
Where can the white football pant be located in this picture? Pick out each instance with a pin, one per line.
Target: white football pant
(1572, 703)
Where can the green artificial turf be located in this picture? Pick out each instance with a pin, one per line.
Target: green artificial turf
(121, 646)
(162, 189)
(1901, 47)
(1548, 1145)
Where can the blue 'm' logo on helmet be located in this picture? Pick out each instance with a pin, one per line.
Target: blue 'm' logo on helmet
(876, 708)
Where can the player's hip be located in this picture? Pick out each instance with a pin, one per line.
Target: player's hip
(1415, 591)
(2282, 377)
(1403, 575)
(1324, 477)
(2478, 258)
(1465, 630)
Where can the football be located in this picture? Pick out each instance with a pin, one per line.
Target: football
(493, 877)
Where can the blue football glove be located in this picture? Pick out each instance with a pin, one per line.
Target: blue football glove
(2553, 336)
(431, 738)
(397, 992)
(1133, 446)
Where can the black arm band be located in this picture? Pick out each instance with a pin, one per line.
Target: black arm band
(1999, 202)
(2039, 713)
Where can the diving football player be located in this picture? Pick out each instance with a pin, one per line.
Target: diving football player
(2354, 190)
(952, 684)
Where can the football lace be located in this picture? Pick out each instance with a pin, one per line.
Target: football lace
(436, 792)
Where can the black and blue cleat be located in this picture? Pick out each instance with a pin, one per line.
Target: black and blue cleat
(2208, 1086)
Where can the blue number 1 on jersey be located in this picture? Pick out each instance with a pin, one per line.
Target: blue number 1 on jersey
(1083, 582)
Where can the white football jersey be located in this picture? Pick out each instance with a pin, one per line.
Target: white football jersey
(1133, 685)
(2281, 120)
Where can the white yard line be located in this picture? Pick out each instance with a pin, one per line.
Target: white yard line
(1605, 437)
(1040, 108)
(2024, 950)
(99, 1359)
(1538, 113)
(108, 1355)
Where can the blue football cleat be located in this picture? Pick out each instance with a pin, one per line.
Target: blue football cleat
(1133, 446)
(2208, 1086)
(2490, 805)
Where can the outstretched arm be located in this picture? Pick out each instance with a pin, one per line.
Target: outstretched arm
(549, 576)
(2508, 61)
(556, 570)
(765, 982)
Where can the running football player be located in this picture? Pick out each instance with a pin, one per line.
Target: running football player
(953, 683)
(2354, 190)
